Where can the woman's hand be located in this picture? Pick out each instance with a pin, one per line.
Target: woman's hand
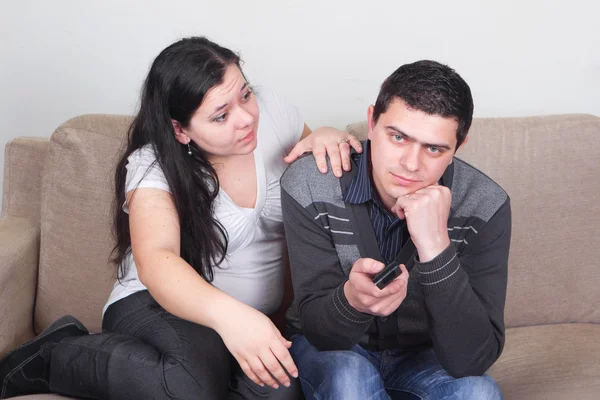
(333, 142)
(258, 346)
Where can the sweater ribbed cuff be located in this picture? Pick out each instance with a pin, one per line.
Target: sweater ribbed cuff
(348, 313)
(441, 273)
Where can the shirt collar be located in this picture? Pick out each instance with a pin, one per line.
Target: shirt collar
(360, 191)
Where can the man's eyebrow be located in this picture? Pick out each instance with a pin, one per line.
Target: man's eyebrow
(438, 145)
(225, 105)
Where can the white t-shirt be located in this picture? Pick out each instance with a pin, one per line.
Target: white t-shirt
(253, 270)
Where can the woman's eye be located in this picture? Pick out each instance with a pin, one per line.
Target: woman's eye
(246, 95)
(221, 117)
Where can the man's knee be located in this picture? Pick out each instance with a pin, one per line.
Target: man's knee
(477, 388)
(486, 388)
(342, 375)
(350, 369)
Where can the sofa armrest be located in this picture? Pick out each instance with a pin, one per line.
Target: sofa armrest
(23, 166)
(19, 259)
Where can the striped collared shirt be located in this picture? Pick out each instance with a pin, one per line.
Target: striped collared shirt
(389, 229)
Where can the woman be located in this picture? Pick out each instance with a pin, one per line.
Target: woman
(200, 247)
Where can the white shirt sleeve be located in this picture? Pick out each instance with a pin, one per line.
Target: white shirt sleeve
(143, 171)
(287, 120)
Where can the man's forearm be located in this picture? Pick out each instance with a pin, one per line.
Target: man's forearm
(330, 323)
(465, 297)
(464, 338)
(327, 320)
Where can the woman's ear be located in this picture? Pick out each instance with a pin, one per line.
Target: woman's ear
(180, 135)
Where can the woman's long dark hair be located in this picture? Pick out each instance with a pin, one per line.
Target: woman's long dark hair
(178, 80)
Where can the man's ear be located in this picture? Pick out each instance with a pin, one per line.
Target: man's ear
(460, 147)
(370, 120)
(179, 133)
(463, 143)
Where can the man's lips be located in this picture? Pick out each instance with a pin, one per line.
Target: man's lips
(402, 181)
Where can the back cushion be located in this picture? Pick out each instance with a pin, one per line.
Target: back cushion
(75, 275)
(549, 166)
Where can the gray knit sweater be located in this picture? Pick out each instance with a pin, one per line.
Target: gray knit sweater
(455, 303)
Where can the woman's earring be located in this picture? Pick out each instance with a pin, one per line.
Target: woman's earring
(189, 149)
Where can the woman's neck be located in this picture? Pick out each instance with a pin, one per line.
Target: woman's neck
(237, 177)
(222, 164)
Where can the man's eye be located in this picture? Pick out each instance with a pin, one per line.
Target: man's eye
(398, 138)
(221, 117)
(434, 150)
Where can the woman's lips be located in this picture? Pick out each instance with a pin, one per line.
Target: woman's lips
(248, 137)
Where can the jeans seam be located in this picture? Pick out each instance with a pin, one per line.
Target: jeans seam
(159, 312)
(303, 380)
(405, 391)
(123, 317)
(161, 315)
(112, 354)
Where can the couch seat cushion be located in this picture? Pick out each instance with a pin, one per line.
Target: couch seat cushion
(550, 362)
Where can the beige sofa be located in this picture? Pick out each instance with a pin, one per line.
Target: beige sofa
(55, 240)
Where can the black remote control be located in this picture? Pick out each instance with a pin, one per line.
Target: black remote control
(387, 275)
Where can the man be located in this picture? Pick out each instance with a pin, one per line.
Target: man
(435, 330)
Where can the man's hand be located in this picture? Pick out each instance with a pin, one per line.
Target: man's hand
(426, 212)
(364, 296)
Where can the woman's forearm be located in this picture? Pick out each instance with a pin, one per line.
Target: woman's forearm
(180, 290)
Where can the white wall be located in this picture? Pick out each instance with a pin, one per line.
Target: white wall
(62, 58)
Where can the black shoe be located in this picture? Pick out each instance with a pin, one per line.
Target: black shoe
(25, 369)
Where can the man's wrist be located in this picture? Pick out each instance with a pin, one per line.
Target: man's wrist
(441, 273)
(347, 291)
(343, 305)
(431, 250)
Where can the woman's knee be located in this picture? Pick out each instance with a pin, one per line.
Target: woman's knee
(201, 365)
(242, 388)
(183, 380)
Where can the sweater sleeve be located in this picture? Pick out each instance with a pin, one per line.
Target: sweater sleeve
(465, 297)
(327, 319)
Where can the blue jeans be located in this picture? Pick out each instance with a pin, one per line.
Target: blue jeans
(388, 374)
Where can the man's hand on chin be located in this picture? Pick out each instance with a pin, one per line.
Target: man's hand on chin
(426, 212)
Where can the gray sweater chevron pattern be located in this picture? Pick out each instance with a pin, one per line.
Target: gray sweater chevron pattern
(455, 303)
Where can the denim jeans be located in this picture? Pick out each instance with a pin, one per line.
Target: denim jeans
(146, 353)
(388, 374)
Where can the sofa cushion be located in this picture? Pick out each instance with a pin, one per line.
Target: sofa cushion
(23, 168)
(550, 362)
(549, 166)
(75, 275)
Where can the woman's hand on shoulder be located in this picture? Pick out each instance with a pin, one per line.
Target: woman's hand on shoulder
(258, 346)
(326, 141)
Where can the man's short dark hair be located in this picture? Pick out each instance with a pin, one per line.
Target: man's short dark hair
(432, 88)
